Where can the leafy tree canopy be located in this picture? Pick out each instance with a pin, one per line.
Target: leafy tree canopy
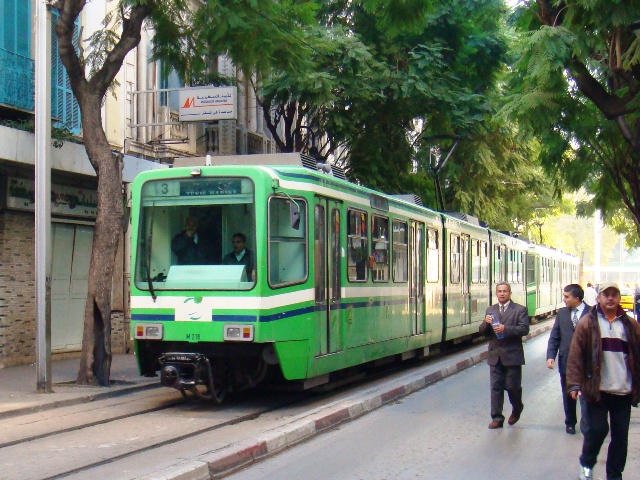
(575, 84)
(371, 85)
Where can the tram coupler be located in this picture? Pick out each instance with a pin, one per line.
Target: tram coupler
(183, 371)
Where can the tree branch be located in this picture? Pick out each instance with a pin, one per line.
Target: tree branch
(610, 105)
(129, 39)
(68, 11)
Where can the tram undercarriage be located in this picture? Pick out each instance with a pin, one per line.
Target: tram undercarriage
(209, 374)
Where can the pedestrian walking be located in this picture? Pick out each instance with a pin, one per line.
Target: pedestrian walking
(590, 295)
(559, 343)
(505, 324)
(603, 368)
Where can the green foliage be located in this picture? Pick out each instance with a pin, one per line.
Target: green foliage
(574, 84)
(371, 81)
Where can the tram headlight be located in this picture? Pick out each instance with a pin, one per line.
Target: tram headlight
(238, 333)
(148, 331)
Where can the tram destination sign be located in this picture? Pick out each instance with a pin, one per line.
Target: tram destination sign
(379, 203)
(201, 188)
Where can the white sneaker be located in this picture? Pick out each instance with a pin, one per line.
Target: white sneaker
(585, 473)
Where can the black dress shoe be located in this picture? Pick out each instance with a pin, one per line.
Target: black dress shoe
(570, 430)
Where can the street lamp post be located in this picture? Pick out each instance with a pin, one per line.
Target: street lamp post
(436, 165)
(43, 196)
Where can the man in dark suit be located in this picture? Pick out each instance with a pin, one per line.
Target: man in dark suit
(505, 324)
(559, 343)
(240, 255)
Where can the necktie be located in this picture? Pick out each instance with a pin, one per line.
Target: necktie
(574, 319)
(501, 309)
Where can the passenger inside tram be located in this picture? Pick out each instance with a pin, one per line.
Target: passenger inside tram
(240, 255)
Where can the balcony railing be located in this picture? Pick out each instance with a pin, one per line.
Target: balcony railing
(17, 86)
(255, 143)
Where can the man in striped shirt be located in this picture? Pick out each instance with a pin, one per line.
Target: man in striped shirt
(604, 368)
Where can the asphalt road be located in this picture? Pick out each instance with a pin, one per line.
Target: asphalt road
(441, 433)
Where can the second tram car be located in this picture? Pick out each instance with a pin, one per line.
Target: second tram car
(342, 275)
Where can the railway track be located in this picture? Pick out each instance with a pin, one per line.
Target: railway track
(68, 441)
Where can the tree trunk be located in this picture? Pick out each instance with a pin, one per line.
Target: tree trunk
(95, 362)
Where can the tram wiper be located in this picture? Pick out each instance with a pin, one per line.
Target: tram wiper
(149, 242)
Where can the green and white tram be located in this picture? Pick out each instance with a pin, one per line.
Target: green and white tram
(342, 275)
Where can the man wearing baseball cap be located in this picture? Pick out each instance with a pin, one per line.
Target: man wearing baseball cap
(604, 367)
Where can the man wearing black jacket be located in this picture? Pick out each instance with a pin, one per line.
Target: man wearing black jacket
(559, 343)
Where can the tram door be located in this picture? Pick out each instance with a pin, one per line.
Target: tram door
(327, 270)
(464, 279)
(416, 278)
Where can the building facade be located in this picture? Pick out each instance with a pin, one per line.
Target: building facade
(140, 120)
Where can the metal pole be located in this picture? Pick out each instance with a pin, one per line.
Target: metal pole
(621, 263)
(43, 196)
(597, 241)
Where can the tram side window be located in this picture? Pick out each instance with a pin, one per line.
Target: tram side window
(512, 266)
(531, 269)
(545, 270)
(287, 246)
(319, 247)
(335, 252)
(358, 247)
(400, 252)
(519, 267)
(454, 259)
(484, 262)
(504, 264)
(433, 256)
(497, 260)
(380, 242)
(475, 261)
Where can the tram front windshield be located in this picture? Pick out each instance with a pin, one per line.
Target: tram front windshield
(196, 234)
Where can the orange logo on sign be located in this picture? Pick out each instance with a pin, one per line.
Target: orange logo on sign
(189, 103)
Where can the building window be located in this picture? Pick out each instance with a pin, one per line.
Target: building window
(15, 27)
(64, 106)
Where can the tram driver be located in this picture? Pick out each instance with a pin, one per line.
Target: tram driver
(188, 245)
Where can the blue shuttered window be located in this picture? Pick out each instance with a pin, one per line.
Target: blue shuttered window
(64, 106)
(16, 65)
(15, 27)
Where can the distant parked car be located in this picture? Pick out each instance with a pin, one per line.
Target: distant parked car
(626, 298)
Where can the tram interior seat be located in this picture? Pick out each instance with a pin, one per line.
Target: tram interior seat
(206, 276)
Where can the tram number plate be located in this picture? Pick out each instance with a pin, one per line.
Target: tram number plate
(193, 337)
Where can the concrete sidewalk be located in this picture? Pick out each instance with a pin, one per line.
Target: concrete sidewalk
(18, 385)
